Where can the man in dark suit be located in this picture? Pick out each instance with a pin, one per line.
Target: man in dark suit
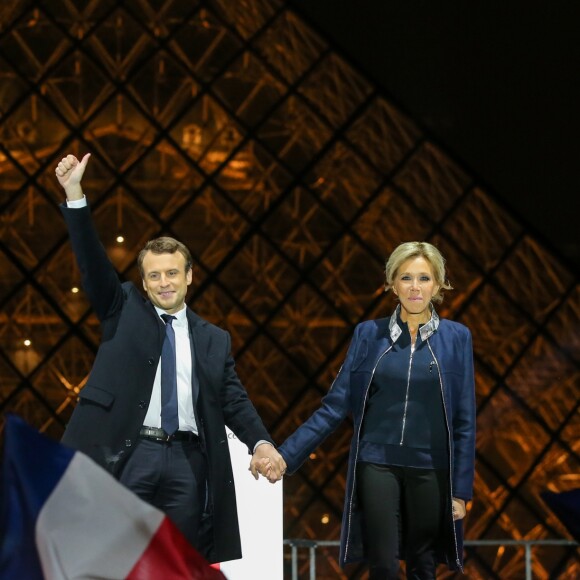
(163, 387)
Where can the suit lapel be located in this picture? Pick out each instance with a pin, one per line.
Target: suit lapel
(200, 344)
(160, 325)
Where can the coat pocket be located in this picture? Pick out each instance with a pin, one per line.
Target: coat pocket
(97, 395)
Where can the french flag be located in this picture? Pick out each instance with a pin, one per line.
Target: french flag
(64, 517)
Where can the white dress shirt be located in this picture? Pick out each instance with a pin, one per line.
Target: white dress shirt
(184, 388)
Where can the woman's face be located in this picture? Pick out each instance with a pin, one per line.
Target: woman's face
(414, 285)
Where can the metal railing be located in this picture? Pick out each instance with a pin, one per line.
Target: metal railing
(312, 545)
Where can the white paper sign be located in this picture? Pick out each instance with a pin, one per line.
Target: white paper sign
(261, 521)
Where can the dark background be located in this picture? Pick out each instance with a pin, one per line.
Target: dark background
(495, 83)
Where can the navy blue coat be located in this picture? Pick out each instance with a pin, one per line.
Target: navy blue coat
(112, 406)
(450, 344)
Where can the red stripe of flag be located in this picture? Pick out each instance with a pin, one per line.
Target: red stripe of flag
(170, 556)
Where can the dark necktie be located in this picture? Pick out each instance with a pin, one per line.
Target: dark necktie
(169, 417)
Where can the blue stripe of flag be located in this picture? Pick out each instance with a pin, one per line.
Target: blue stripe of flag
(31, 468)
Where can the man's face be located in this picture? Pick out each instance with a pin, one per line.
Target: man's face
(165, 280)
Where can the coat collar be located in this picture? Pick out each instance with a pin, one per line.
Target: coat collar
(201, 339)
(425, 331)
(195, 323)
(194, 319)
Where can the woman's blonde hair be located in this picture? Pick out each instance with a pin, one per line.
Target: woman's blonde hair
(409, 250)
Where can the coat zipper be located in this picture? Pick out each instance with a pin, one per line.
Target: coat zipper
(346, 544)
(457, 559)
(407, 393)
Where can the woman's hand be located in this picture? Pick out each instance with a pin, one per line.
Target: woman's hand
(459, 510)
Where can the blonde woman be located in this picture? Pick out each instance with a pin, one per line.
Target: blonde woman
(408, 383)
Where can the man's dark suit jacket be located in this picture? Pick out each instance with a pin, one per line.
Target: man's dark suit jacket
(112, 406)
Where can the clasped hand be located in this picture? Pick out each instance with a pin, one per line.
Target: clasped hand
(267, 462)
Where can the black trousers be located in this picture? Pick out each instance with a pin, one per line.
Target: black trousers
(171, 476)
(401, 505)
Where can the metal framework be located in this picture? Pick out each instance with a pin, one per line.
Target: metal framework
(237, 129)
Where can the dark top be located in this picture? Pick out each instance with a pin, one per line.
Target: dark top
(404, 422)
